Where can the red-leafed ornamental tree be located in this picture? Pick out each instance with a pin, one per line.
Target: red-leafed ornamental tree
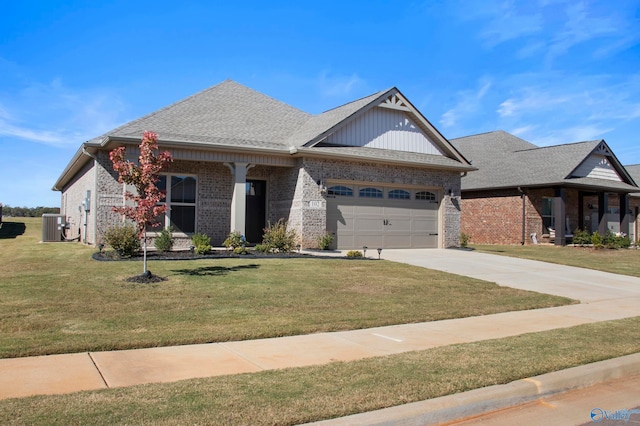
(143, 176)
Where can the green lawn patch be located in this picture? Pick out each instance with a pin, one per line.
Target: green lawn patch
(622, 261)
(55, 299)
(299, 395)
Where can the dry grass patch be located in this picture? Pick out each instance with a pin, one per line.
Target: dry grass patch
(299, 395)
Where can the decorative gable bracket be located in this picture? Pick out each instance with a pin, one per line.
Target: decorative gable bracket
(603, 149)
(394, 102)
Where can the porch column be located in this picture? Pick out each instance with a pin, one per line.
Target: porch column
(559, 215)
(239, 200)
(603, 205)
(580, 210)
(624, 213)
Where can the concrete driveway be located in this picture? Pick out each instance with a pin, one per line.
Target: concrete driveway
(585, 285)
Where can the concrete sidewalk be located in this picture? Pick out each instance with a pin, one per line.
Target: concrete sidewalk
(605, 296)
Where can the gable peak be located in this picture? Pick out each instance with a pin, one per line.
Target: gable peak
(602, 149)
(394, 101)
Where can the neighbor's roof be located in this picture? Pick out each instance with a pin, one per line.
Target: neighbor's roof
(634, 171)
(230, 115)
(506, 161)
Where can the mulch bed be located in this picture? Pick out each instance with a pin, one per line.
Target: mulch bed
(111, 255)
(149, 278)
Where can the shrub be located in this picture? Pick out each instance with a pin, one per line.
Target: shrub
(262, 248)
(596, 240)
(164, 241)
(278, 238)
(240, 250)
(234, 240)
(614, 241)
(325, 241)
(123, 239)
(354, 253)
(581, 237)
(201, 243)
(464, 239)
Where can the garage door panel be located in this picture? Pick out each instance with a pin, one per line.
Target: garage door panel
(424, 225)
(396, 241)
(369, 224)
(371, 241)
(368, 210)
(399, 225)
(419, 241)
(382, 222)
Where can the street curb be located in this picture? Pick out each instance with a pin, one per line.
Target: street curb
(479, 401)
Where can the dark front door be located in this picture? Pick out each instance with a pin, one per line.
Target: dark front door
(256, 210)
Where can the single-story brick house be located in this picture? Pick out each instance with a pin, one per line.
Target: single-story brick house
(634, 201)
(374, 172)
(521, 189)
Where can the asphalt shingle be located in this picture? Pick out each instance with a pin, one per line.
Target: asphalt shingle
(506, 161)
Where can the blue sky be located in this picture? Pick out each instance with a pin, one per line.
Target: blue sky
(548, 71)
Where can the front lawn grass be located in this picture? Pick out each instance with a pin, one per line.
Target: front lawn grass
(55, 299)
(623, 261)
(299, 395)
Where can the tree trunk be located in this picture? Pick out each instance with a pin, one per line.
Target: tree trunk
(144, 249)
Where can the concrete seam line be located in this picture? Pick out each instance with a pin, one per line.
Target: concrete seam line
(98, 370)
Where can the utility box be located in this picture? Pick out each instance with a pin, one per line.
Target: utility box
(53, 227)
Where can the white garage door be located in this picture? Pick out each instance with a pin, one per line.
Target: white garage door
(382, 217)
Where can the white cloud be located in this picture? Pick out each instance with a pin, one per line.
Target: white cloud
(509, 22)
(577, 133)
(550, 29)
(336, 85)
(449, 118)
(524, 131)
(468, 102)
(530, 99)
(8, 129)
(581, 26)
(56, 115)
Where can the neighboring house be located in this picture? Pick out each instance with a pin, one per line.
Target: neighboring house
(634, 201)
(373, 172)
(521, 189)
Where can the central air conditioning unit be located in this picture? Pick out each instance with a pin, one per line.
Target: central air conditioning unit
(53, 227)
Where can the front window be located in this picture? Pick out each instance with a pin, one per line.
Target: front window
(181, 203)
(547, 214)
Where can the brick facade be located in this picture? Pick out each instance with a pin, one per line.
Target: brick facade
(293, 193)
(495, 217)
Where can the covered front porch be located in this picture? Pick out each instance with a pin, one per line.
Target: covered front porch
(569, 209)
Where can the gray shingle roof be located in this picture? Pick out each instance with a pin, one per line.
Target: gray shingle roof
(634, 171)
(319, 124)
(228, 112)
(506, 161)
(230, 115)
